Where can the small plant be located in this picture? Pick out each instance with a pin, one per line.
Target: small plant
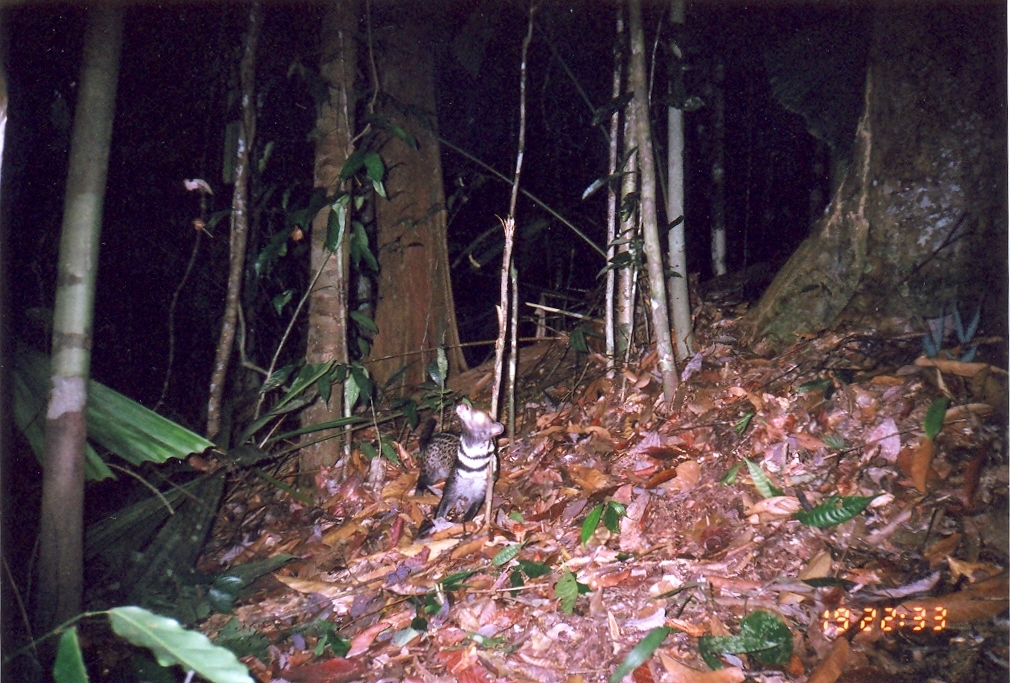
(938, 329)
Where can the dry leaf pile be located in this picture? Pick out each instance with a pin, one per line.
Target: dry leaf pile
(696, 550)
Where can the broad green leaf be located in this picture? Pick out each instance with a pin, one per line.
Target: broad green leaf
(834, 510)
(534, 570)
(612, 514)
(115, 422)
(640, 653)
(69, 666)
(277, 378)
(367, 450)
(307, 376)
(506, 554)
(364, 321)
(761, 481)
(374, 167)
(762, 634)
(934, 417)
(388, 452)
(172, 644)
(577, 340)
(353, 164)
(590, 524)
(743, 423)
(567, 591)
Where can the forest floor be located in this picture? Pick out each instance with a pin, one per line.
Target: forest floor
(812, 516)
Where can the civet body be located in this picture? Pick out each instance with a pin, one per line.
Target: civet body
(462, 460)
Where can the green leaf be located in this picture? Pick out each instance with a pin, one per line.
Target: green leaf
(282, 300)
(275, 249)
(730, 476)
(612, 514)
(353, 164)
(351, 392)
(533, 570)
(379, 188)
(336, 222)
(364, 321)
(359, 248)
(577, 340)
(813, 385)
(374, 167)
(589, 526)
(277, 378)
(761, 481)
(516, 579)
(388, 452)
(762, 634)
(834, 510)
(443, 363)
(834, 442)
(172, 644)
(567, 591)
(640, 653)
(934, 417)
(367, 450)
(743, 423)
(506, 554)
(69, 666)
(455, 581)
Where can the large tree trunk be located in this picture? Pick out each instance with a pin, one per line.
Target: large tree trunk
(414, 312)
(60, 566)
(327, 335)
(919, 222)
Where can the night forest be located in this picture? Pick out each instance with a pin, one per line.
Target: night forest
(852, 158)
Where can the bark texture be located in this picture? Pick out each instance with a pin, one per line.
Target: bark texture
(60, 565)
(239, 234)
(415, 312)
(327, 333)
(919, 223)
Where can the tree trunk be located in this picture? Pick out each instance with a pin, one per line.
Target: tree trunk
(718, 170)
(414, 311)
(680, 302)
(650, 227)
(327, 334)
(239, 223)
(627, 276)
(912, 229)
(60, 577)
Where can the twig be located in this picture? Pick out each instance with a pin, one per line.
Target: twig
(145, 483)
(529, 195)
(171, 316)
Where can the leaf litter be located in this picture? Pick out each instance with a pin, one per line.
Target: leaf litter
(629, 540)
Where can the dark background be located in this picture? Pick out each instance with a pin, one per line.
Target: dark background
(177, 86)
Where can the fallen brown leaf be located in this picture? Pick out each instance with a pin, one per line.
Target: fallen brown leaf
(680, 673)
(331, 671)
(831, 667)
(922, 458)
